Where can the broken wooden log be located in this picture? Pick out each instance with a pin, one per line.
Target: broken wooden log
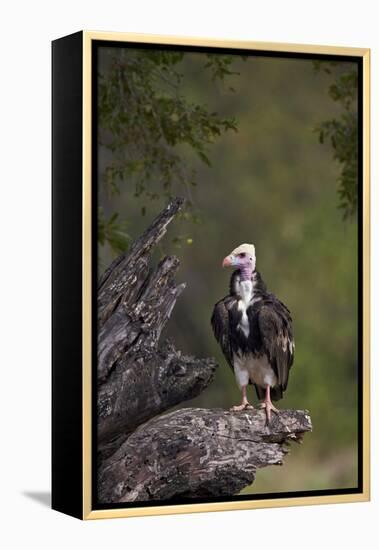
(198, 453)
(138, 376)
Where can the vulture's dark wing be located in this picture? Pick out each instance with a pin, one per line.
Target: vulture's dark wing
(221, 327)
(275, 325)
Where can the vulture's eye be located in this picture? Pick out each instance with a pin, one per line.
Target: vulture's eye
(242, 255)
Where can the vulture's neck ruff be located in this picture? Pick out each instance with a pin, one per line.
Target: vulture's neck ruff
(241, 280)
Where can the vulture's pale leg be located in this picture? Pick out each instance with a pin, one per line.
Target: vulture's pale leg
(245, 404)
(267, 404)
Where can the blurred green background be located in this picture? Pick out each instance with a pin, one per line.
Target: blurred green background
(273, 184)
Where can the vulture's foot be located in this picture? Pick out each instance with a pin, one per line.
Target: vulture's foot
(242, 407)
(269, 407)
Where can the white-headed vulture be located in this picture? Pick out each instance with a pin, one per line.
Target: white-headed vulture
(254, 330)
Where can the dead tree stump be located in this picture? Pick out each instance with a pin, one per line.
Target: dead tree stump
(185, 453)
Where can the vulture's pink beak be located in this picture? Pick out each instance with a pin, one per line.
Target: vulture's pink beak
(228, 261)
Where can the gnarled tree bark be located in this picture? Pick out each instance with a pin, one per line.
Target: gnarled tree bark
(186, 453)
(138, 377)
(198, 453)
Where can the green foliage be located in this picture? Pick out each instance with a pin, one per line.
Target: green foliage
(145, 119)
(342, 131)
(113, 232)
(220, 67)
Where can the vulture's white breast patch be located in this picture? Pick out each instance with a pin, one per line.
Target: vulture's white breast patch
(246, 293)
(246, 290)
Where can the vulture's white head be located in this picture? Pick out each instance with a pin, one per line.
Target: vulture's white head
(242, 257)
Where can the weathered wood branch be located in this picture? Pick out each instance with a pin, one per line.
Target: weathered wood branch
(138, 377)
(126, 276)
(138, 322)
(144, 385)
(198, 453)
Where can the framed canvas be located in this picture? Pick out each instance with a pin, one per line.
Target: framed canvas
(177, 386)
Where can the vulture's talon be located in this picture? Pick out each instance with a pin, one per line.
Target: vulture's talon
(242, 407)
(269, 407)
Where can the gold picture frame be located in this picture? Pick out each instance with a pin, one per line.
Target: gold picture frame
(84, 509)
